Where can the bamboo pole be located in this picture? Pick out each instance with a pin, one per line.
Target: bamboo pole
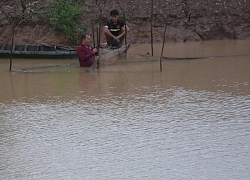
(125, 38)
(97, 40)
(93, 34)
(12, 45)
(164, 39)
(13, 35)
(152, 41)
(100, 24)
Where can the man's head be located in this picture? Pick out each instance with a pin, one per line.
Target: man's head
(86, 38)
(114, 15)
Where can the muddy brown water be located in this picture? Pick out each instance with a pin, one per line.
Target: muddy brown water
(129, 120)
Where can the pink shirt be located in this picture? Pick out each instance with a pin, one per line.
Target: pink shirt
(85, 55)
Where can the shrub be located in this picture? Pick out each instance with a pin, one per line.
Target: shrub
(65, 17)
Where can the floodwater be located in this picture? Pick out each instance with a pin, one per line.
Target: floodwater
(129, 120)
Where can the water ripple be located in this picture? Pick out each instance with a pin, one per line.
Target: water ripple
(154, 134)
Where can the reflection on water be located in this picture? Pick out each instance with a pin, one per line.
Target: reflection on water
(129, 120)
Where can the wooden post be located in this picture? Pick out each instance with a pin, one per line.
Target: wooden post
(164, 38)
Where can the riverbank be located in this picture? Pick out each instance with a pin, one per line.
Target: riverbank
(190, 21)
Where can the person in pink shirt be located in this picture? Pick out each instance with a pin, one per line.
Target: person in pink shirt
(86, 53)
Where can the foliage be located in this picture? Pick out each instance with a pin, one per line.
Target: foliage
(64, 16)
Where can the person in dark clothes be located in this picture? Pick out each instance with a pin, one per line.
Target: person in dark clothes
(115, 29)
(85, 52)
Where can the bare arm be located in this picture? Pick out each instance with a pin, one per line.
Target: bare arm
(106, 30)
(125, 30)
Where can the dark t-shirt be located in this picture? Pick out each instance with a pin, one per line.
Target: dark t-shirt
(115, 29)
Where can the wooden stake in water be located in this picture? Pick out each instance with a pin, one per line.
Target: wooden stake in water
(164, 38)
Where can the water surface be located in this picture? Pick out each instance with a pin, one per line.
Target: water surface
(129, 120)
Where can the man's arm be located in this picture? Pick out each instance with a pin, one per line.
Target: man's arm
(83, 55)
(106, 30)
(127, 28)
(124, 31)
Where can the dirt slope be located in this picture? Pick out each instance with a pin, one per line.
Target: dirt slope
(186, 20)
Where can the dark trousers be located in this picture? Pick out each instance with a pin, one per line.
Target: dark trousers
(113, 42)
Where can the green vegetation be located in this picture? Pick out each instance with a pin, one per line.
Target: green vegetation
(65, 17)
